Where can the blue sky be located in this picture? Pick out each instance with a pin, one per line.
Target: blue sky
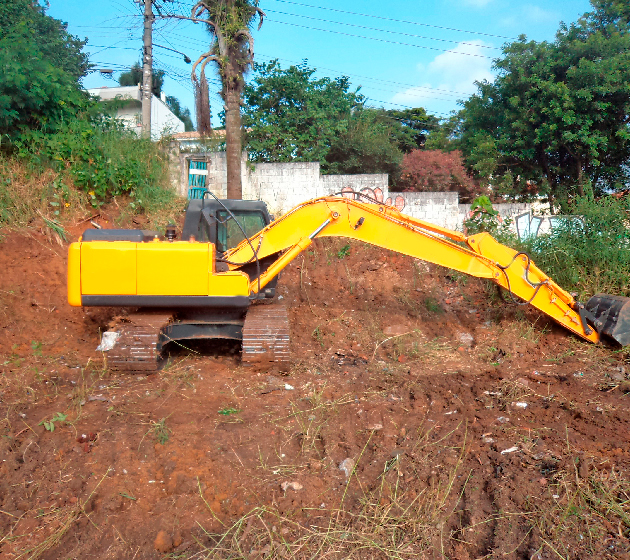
(402, 54)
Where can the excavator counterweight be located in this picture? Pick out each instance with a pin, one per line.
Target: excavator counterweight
(212, 282)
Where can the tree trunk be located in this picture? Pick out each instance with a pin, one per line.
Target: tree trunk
(580, 178)
(233, 141)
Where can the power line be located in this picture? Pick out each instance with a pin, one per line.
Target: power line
(105, 47)
(371, 87)
(385, 30)
(397, 20)
(341, 72)
(403, 105)
(380, 40)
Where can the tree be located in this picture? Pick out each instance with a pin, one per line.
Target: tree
(435, 171)
(134, 77)
(232, 50)
(61, 50)
(40, 65)
(183, 114)
(369, 144)
(558, 114)
(292, 116)
(414, 126)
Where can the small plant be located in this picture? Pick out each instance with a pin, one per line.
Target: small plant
(483, 217)
(50, 424)
(228, 411)
(343, 252)
(160, 431)
(433, 305)
(36, 347)
(318, 335)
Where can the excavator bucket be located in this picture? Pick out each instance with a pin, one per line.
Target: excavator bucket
(614, 313)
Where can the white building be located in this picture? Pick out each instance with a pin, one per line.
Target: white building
(163, 121)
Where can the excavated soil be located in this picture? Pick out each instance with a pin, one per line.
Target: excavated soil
(422, 417)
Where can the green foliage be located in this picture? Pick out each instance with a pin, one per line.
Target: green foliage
(50, 424)
(589, 250)
(36, 346)
(343, 252)
(413, 126)
(40, 64)
(483, 217)
(445, 135)
(367, 145)
(160, 431)
(433, 305)
(182, 113)
(292, 115)
(228, 411)
(134, 77)
(49, 35)
(103, 159)
(557, 114)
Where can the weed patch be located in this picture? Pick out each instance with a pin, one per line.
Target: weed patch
(588, 252)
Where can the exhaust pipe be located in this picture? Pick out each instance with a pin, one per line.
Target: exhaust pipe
(614, 314)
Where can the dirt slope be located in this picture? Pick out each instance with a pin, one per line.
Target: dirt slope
(423, 417)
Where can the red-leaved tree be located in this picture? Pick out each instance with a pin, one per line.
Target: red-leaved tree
(434, 171)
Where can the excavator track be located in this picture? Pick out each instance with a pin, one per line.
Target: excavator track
(138, 346)
(266, 336)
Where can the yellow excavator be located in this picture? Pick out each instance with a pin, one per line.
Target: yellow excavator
(210, 283)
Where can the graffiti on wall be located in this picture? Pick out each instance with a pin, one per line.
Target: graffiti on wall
(371, 195)
(528, 225)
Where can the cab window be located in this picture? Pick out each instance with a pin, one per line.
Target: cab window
(229, 235)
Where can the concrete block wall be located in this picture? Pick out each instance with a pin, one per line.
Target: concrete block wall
(331, 184)
(281, 185)
(439, 208)
(285, 185)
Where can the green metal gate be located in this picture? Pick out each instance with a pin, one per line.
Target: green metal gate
(197, 174)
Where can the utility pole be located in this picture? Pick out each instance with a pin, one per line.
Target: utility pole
(147, 69)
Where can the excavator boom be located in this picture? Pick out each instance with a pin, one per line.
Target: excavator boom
(478, 255)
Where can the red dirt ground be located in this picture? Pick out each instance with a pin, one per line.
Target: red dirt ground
(408, 376)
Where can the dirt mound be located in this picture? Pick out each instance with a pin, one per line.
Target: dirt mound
(423, 417)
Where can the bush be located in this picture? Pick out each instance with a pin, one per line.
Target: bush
(435, 170)
(103, 159)
(589, 252)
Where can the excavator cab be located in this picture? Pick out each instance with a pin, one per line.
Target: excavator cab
(220, 222)
(226, 223)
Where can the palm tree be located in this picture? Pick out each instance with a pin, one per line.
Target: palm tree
(232, 49)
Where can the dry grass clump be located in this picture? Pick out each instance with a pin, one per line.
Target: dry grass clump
(594, 505)
(28, 195)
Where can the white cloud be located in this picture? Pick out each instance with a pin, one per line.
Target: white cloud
(451, 71)
(476, 3)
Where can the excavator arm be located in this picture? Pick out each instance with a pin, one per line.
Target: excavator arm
(478, 255)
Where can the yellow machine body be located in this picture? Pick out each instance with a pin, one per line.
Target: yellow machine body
(158, 268)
